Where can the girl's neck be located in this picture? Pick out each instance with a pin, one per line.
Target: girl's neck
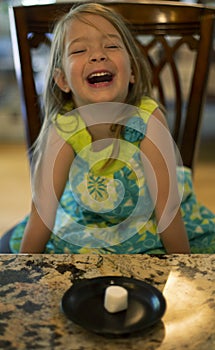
(100, 131)
(103, 133)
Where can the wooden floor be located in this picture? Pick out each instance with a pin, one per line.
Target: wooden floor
(15, 183)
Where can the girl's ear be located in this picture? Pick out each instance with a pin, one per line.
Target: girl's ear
(60, 80)
(132, 78)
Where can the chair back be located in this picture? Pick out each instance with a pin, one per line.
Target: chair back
(176, 39)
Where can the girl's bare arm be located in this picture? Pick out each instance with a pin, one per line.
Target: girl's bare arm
(160, 169)
(48, 183)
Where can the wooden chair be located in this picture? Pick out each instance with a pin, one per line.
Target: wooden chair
(166, 31)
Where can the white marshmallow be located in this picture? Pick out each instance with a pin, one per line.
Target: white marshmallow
(116, 299)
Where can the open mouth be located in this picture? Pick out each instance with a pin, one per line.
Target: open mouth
(100, 77)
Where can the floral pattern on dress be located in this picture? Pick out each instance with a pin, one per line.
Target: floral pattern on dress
(97, 187)
(135, 129)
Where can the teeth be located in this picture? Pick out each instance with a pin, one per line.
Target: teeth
(99, 74)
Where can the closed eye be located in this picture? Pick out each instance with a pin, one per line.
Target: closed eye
(112, 46)
(75, 52)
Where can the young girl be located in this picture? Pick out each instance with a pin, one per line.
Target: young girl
(104, 176)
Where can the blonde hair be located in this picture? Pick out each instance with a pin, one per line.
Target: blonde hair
(55, 99)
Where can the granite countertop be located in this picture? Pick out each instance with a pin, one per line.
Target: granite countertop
(31, 288)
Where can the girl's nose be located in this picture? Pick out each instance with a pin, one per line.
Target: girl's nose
(98, 56)
(98, 59)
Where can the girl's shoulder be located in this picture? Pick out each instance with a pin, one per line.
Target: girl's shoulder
(71, 127)
(148, 105)
(136, 126)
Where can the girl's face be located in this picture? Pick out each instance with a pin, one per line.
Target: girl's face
(96, 64)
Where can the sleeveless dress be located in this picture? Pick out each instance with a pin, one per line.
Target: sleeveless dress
(109, 209)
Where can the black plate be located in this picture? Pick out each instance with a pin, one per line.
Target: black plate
(83, 303)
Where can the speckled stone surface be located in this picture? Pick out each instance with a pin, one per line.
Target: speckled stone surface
(31, 288)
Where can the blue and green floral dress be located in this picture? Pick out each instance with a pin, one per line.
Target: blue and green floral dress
(108, 209)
